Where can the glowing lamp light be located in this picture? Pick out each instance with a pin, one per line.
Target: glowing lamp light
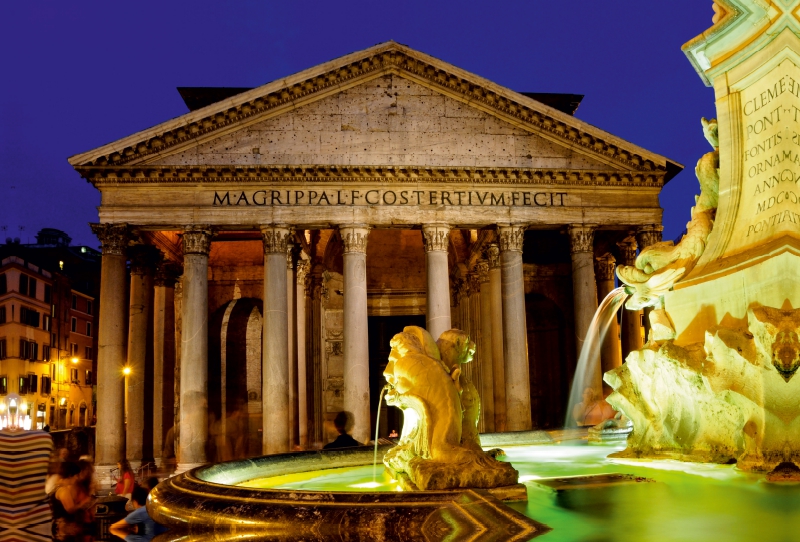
(74, 360)
(62, 401)
(2, 408)
(126, 371)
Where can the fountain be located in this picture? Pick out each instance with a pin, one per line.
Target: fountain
(715, 381)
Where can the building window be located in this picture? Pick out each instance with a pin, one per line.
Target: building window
(28, 350)
(23, 385)
(74, 302)
(88, 329)
(54, 340)
(33, 383)
(3, 353)
(88, 379)
(89, 307)
(74, 325)
(73, 349)
(45, 385)
(73, 376)
(2, 315)
(23, 284)
(46, 323)
(3, 385)
(29, 317)
(87, 351)
(3, 284)
(48, 293)
(45, 352)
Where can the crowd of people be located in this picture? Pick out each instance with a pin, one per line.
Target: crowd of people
(73, 494)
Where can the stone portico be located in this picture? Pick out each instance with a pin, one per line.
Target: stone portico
(314, 215)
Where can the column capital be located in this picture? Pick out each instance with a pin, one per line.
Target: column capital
(144, 258)
(354, 237)
(197, 239)
(276, 238)
(604, 267)
(649, 235)
(436, 237)
(167, 274)
(474, 283)
(113, 237)
(493, 256)
(581, 237)
(303, 268)
(627, 249)
(511, 237)
(482, 268)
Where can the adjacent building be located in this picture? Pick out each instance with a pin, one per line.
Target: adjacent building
(48, 330)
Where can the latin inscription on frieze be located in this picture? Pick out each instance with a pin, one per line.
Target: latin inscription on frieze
(309, 197)
(771, 133)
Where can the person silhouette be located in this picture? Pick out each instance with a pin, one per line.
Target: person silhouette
(343, 440)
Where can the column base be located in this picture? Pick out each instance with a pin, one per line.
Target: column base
(183, 467)
(106, 479)
(135, 464)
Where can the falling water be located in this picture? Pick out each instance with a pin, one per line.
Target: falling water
(377, 426)
(585, 372)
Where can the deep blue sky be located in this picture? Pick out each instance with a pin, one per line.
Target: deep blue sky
(76, 75)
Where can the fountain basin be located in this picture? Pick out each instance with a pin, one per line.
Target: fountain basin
(211, 499)
(679, 501)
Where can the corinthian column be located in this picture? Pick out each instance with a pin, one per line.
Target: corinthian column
(111, 342)
(437, 239)
(291, 323)
(498, 356)
(194, 349)
(356, 343)
(138, 441)
(631, 320)
(303, 267)
(610, 353)
(584, 290)
(487, 368)
(518, 388)
(275, 349)
(163, 356)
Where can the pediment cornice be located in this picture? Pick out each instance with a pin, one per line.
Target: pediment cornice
(321, 81)
(101, 176)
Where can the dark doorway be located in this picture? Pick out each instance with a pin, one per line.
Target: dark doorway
(381, 331)
(547, 361)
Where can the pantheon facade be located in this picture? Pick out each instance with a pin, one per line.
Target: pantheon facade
(260, 251)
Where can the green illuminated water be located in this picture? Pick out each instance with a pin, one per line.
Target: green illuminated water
(687, 502)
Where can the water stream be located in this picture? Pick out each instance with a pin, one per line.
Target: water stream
(377, 426)
(589, 360)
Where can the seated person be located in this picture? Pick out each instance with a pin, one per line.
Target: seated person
(137, 525)
(343, 440)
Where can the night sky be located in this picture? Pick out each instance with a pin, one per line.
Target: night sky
(77, 75)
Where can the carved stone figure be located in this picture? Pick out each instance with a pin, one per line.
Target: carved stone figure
(424, 382)
(661, 265)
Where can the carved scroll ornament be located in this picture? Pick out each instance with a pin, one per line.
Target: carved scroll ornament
(113, 238)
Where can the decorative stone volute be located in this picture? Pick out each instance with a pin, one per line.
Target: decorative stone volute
(276, 239)
(475, 283)
(354, 238)
(604, 267)
(511, 237)
(493, 256)
(581, 237)
(648, 235)
(113, 237)
(436, 237)
(167, 274)
(197, 240)
(627, 249)
(144, 259)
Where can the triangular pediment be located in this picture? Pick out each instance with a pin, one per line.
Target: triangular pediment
(387, 105)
